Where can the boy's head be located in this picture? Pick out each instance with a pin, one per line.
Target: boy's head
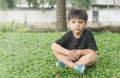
(77, 20)
(78, 14)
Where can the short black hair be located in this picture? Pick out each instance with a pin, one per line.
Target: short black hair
(77, 13)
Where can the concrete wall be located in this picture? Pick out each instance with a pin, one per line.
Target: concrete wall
(109, 17)
(28, 16)
(105, 17)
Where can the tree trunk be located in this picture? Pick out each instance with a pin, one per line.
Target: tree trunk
(61, 16)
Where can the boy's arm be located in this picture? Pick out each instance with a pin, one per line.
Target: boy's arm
(57, 48)
(85, 51)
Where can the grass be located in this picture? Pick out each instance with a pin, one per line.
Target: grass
(28, 55)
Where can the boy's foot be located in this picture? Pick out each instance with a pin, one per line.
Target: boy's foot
(60, 64)
(80, 68)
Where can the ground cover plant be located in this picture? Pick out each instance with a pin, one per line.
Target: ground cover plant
(28, 55)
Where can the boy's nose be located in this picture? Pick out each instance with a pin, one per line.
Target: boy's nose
(76, 24)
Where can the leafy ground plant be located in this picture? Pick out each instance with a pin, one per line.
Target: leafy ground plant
(28, 55)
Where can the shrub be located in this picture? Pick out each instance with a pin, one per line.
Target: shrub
(13, 27)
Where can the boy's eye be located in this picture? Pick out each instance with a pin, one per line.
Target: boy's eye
(80, 22)
(73, 21)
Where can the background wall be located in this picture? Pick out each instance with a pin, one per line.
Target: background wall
(37, 17)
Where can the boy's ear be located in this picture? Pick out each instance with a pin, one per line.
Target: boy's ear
(85, 23)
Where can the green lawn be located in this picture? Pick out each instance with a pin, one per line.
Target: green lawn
(28, 55)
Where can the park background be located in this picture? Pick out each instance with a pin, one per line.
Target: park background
(27, 54)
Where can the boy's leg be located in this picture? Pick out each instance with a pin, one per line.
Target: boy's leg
(87, 60)
(62, 58)
(78, 67)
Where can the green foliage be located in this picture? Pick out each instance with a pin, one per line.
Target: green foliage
(75, 3)
(13, 27)
(28, 55)
(4, 4)
(11, 3)
(80, 3)
(41, 3)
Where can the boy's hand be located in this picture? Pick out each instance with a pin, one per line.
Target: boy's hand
(73, 55)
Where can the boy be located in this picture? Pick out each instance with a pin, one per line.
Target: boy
(77, 48)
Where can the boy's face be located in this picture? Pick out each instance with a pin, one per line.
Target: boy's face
(76, 25)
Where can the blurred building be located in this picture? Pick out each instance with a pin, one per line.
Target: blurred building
(106, 12)
(103, 4)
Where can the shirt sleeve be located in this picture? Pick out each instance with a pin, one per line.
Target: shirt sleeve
(63, 40)
(91, 41)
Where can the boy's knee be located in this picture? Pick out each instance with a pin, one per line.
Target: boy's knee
(93, 56)
(92, 59)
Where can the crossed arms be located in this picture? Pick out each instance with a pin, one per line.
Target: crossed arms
(70, 54)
